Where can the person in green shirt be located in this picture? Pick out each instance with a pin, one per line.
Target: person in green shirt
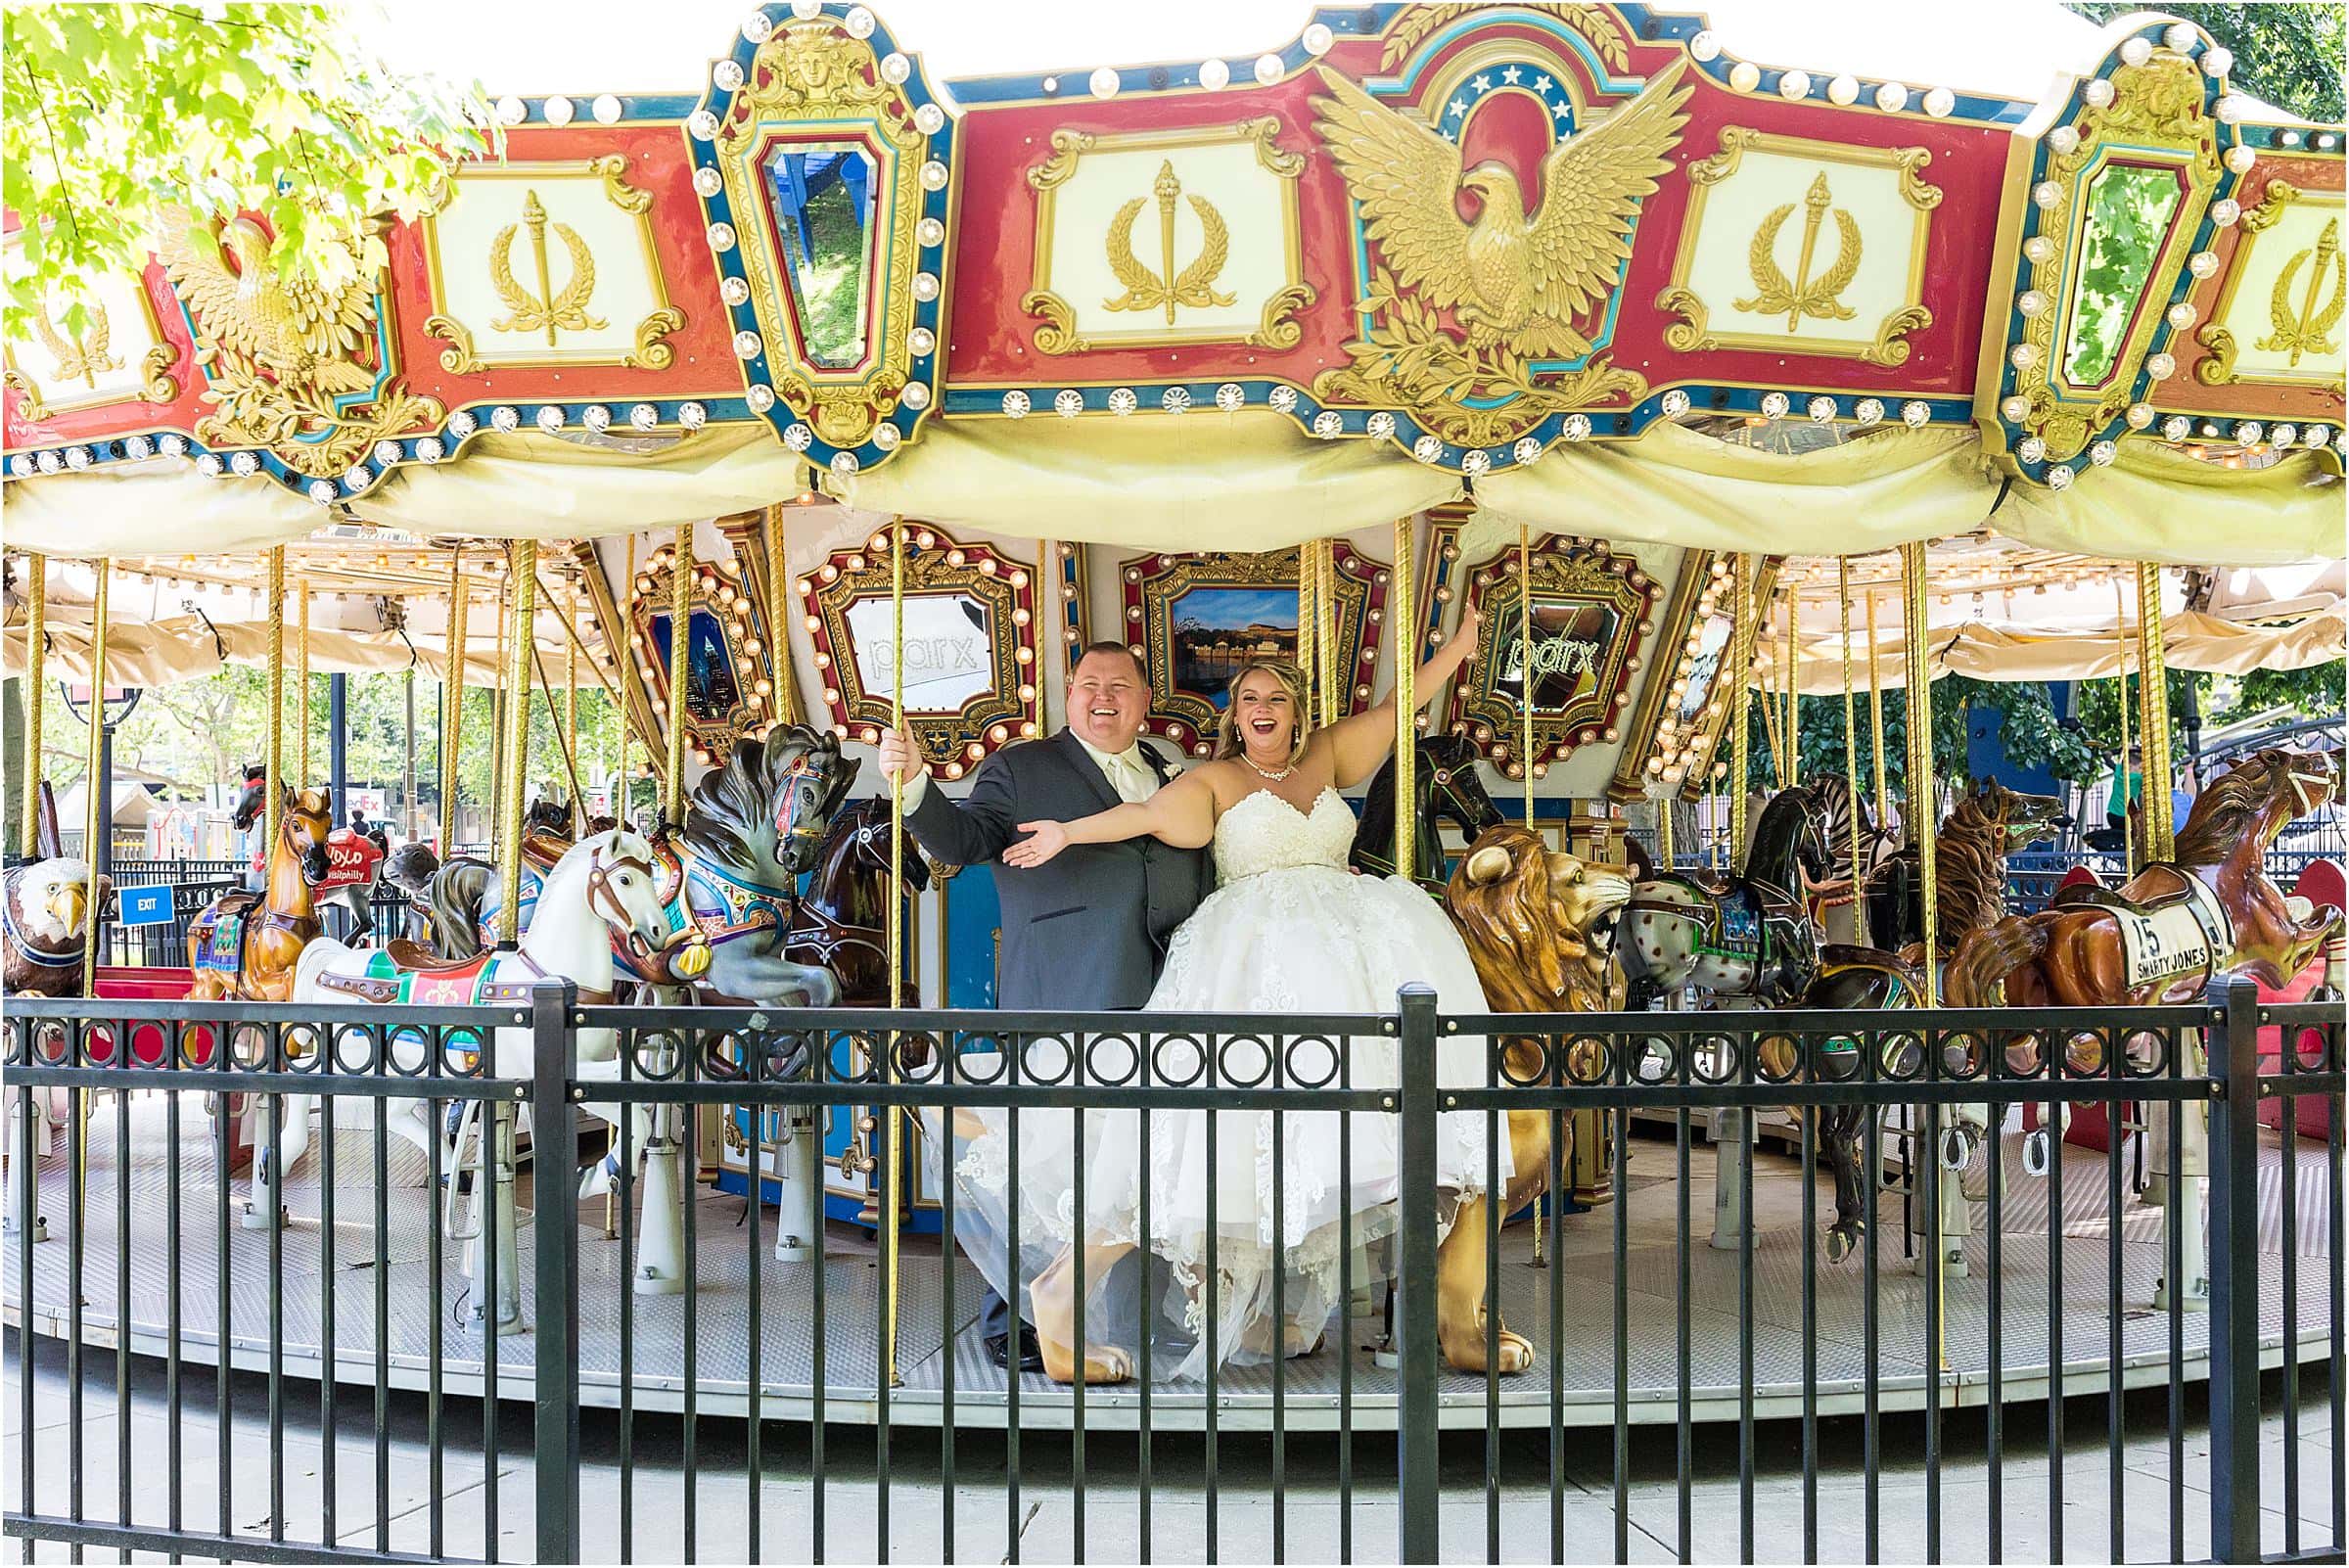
(2128, 789)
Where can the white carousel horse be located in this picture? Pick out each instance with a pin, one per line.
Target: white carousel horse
(601, 891)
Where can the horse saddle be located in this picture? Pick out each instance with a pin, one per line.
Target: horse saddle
(220, 940)
(2176, 935)
(542, 849)
(418, 957)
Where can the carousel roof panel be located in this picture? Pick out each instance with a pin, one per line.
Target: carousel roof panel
(1462, 236)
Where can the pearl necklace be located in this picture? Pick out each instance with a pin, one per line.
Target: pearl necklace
(1265, 772)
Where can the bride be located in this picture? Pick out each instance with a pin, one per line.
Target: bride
(1290, 930)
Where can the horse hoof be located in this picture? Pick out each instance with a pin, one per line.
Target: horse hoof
(257, 1217)
(2036, 1150)
(1841, 1244)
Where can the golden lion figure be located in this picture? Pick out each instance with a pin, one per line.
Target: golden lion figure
(1536, 922)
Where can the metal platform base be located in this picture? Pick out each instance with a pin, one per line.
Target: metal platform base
(656, 1330)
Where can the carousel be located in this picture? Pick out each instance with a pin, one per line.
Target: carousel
(824, 396)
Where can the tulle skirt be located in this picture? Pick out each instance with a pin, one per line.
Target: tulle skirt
(1256, 1271)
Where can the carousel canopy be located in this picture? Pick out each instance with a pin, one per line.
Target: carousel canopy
(2070, 284)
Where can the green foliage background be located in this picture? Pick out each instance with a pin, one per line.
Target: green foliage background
(2287, 54)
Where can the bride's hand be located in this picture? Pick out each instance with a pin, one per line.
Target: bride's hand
(1044, 841)
(1472, 621)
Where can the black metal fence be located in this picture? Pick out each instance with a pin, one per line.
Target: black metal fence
(419, 1276)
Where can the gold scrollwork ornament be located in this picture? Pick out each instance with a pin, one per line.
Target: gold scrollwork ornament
(2307, 327)
(1803, 294)
(1194, 286)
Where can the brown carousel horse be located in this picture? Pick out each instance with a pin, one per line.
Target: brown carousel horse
(1540, 926)
(2211, 910)
(242, 946)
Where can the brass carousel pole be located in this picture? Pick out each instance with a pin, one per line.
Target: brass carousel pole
(37, 659)
(1525, 707)
(302, 683)
(501, 700)
(894, 933)
(274, 761)
(1335, 682)
(1741, 671)
(1921, 830)
(1308, 631)
(1525, 746)
(2153, 726)
(523, 574)
(2120, 638)
(1876, 714)
(97, 816)
(452, 700)
(1791, 761)
(1407, 708)
(681, 632)
(571, 734)
(785, 703)
(1851, 745)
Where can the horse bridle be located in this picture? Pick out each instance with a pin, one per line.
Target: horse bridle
(599, 887)
(787, 823)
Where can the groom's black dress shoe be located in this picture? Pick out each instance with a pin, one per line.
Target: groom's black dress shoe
(1032, 1356)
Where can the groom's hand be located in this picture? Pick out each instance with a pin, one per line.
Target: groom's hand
(901, 756)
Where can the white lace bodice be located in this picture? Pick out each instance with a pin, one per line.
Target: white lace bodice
(1265, 833)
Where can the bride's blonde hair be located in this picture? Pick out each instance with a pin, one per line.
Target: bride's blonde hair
(1227, 731)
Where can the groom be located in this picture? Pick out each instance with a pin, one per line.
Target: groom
(1089, 930)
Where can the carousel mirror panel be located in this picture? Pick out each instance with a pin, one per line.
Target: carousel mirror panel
(728, 693)
(1680, 717)
(823, 205)
(1196, 621)
(2129, 209)
(970, 645)
(1592, 611)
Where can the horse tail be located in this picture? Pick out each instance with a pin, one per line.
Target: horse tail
(1976, 976)
(458, 889)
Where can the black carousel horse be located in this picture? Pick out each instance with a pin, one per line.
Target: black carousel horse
(840, 922)
(1746, 935)
(1445, 787)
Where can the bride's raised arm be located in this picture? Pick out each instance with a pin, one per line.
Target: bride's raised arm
(1183, 813)
(1360, 743)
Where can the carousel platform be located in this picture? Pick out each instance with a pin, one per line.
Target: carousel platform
(722, 1370)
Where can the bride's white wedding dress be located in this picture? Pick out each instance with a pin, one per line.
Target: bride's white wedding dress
(1289, 931)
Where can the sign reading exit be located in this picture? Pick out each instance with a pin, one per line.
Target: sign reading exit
(147, 906)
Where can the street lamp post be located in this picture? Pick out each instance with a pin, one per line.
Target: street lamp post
(117, 703)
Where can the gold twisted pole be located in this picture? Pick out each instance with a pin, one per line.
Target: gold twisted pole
(1335, 682)
(98, 816)
(611, 636)
(1525, 743)
(522, 644)
(786, 703)
(1741, 671)
(1793, 758)
(681, 633)
(1308, 631)
(1407, 708)
(37, 659)
(570, 733)
(302, 682)
(1851, 746)
(2153, 691)
(1921, 831)
(452, 700)
(1525, 708)
(894, 933)
(273, 759)
(1876, 714)
(2120, 638)
(501, 700)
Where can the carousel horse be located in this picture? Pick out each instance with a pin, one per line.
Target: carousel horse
(43, 909)
(1747, 935)
(1446, 788)
(1879, 842)
(839, 922)
(409, 871)
(1987, 824)
(2211, 910)
(1541, 927)
(752, 829)
(601, 897)
(244, 945)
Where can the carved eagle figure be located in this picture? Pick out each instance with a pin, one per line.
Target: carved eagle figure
(1509, 278)
(304, 332)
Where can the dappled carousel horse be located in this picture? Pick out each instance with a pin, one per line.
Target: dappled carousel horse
(1447, 787)
(242, 946)
(1832, 905)
(1745, 935)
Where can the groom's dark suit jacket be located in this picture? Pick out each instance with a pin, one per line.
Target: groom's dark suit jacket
(1088, 929)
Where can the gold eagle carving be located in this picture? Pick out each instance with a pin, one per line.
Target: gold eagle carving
(1510, 279)
(306, 332)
